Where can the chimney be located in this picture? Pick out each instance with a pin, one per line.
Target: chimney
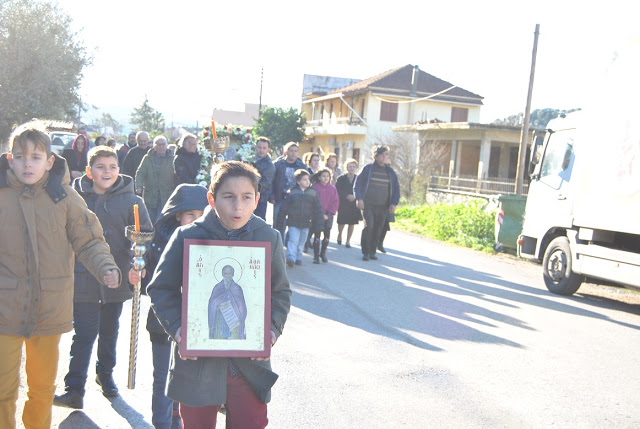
(414, 81)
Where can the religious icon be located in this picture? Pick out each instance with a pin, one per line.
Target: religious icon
(226, 300)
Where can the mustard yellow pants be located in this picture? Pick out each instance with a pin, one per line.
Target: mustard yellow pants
(41, 366)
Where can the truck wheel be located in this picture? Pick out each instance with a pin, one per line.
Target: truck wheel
(556, 268)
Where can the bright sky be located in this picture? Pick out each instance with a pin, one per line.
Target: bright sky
(192, 56)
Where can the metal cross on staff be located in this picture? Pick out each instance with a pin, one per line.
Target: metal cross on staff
(139, 239)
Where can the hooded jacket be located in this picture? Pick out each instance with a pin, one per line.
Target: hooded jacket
(43, 225)
(155, 178)
(204, 381)
(184, 197)
(114, 210)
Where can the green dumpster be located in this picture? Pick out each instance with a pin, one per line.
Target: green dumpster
(509, 221)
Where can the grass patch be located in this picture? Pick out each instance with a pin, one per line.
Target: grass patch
(468, 224)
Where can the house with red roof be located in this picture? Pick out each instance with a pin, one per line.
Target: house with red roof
(348, 120)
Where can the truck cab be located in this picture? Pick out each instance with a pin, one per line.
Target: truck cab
(581, 219)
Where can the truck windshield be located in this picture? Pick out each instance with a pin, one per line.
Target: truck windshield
(558, 154)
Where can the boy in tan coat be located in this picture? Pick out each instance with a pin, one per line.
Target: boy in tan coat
(45, 222)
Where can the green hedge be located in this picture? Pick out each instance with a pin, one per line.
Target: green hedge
(468, 224)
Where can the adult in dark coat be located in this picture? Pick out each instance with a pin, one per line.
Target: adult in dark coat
(267, 170)
(377, 194)
(186, 164)
(130, 144)
(283, 177)
(77, 156)
(134, 157)
(348, 212)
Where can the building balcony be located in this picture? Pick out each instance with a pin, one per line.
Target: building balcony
(335, 126)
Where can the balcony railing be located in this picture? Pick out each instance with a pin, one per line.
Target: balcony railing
(488, 186)
(337, 121)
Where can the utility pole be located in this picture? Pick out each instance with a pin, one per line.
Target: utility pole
(261, 79)
(524, 137)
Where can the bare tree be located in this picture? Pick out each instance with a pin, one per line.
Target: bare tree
(412, 159)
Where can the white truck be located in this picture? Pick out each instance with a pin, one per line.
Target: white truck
(582, 216)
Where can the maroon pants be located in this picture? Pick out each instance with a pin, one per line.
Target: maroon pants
(244, 409)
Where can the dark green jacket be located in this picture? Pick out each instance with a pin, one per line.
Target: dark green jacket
(203, 381)
(155, 178)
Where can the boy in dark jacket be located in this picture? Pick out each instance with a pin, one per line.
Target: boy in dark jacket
(202, 385)
(185, 205)
(301, 211)
(96, 310)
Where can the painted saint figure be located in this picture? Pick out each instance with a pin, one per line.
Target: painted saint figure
(227, 309)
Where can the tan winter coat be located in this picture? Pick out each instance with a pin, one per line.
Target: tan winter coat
(41, 226)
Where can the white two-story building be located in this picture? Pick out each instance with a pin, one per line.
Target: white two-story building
(348, 120)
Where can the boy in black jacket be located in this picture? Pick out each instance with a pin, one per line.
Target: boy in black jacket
(302, 210)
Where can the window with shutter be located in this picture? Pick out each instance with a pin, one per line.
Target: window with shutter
(389, 111)
(459, 114)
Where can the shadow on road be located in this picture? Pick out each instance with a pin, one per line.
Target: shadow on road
(134, 418)
(78, 419)
(402, 295)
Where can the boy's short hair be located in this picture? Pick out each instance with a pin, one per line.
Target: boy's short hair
(299, 174)
(263, 139)
(33, 132)
(288, 145)
(226, 170)
(100, 151)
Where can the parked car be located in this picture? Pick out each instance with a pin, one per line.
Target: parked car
(61, 140)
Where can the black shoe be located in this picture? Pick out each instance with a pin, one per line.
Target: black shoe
(365, 257)
(290, 262)
(70, 399)
(109, 388)
(348, 246)
(316, 260)
(381, 249)
(373, 257)
(339, 241)
(324, 258)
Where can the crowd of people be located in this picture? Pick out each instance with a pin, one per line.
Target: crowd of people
(81, 202)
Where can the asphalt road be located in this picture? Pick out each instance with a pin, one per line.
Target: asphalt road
(429, 335)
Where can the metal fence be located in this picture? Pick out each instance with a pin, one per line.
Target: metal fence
(488, 186)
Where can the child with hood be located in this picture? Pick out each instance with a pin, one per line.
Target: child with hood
(185, 205)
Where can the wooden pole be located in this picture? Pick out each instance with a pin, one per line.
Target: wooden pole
(524, 141)
(261, 80)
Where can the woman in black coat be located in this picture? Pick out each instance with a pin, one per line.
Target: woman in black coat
(348, 213)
